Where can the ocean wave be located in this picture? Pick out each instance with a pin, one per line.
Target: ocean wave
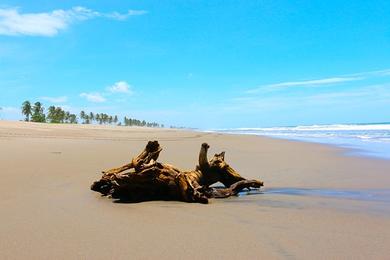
(334, 127)
(374, 138)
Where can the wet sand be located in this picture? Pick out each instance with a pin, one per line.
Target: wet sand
(317, 202)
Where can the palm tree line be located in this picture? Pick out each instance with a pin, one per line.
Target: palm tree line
(100, 118)
(36, 113)
(136, 122)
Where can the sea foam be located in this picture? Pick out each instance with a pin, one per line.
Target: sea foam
(365, 139)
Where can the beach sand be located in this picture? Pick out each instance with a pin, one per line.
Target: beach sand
(316, 203)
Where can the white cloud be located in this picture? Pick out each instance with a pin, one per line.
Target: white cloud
(305, 83)
(121, 17)
(93, 97)
(321, 82)
(61, 99)
(121, 87)
(369, 74)
(371, 94)
(99, 97)
(12, 22)
(315, 82)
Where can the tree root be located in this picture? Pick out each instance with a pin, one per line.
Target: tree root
(146, 179)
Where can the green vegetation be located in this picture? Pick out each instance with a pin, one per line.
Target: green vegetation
(27, 110)
(100, 118)
(37, 113)
(136, 122)
(57, 115)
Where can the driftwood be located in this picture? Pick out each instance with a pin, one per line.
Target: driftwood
(146, 179)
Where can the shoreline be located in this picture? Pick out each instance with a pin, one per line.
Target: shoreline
(351, 149)
(344, 150)
(313, 194)
(143, 134)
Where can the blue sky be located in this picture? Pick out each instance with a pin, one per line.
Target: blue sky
(206, 64)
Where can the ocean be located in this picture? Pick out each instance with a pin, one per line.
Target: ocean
(361, 139)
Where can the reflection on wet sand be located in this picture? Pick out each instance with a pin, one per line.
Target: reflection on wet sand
(382, 195)
(373, 201)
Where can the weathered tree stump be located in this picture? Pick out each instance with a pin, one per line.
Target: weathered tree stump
(146, 179)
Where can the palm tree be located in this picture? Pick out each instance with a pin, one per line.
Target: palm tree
(86, 119)
(67, 117)
(105, 118)
(102, 118)
(82, 115)
(91, 116)
(73, 119)
(27, 110)
(38, 115)
(51, 115)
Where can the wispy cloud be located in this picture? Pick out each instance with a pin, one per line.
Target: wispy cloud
(375, 93)
(121, 17)
(370, 94)
(305, 83)
(121, 87)
(329, 81)
(93, 97)
(61, 99)
(369, 74)
(13, 22)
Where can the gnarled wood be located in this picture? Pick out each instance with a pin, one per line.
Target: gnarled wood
(151, 152)
(147, 179)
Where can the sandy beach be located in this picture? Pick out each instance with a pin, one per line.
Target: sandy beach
(317, 203)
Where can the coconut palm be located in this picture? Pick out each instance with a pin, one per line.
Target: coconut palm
(97, 117)
(82, 116)
(86, 118)
(27, 110)
(72, 119)
(51, 114)
(91, 117)
(67, 117)
(102, 118)
(38, 115)
(61, 114)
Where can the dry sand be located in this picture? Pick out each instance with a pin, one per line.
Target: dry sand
(48, 211)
